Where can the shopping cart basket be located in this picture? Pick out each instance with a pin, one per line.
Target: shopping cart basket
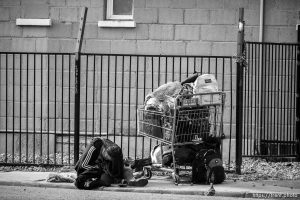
(192, 120)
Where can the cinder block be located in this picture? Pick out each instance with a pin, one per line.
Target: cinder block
(69, 14)
(57, 2)
(226, 16)
(67, 45)
(146, 15)
(198, 48)
(35, 11)
(271, 34)
(10, 2)
(288, 5)
(196, 16)
(277, 18)
(110, 33)
(96, 46)
(161, 32)
(90, 32)
(34, 2)
(287, 35)
(53, 45)
(23, 44)
(78, 3)
(54, 13)
(231, 33)
(35, 31)
(213, 33)
(14, 12)
(63, 30)
(93, 14)
(139, 4)
(252, 33)
(158, 3)
(41, 44)
(252, 17)
(210, 4)
(97, 3)
(140, 32)
(10, 29)
(123, 46)
(5, 44)
(254, 4)
(187, 32)
(148, 47)
(236, 4)
(183, 4)
(170, 16)
(224, 48)
(173, 48)
(4, 14)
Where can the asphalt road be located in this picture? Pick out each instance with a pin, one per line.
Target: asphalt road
(40, 193)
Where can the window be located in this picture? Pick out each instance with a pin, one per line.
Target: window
(119, 9)
(119, 13)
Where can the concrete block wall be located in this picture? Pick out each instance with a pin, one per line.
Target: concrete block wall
(168, 27)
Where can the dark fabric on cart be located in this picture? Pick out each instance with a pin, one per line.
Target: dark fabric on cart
(207, 167)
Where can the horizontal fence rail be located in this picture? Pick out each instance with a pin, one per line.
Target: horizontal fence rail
(37, 101)
(270, 100)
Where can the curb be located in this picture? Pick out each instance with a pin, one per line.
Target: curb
(157, 191)
(120, 189)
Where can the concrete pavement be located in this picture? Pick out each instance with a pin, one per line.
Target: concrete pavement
(165, 185)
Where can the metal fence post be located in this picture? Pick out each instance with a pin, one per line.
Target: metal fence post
(298, 97)
(77, 84)
(239, 95)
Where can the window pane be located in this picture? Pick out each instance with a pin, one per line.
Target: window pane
(122, 7)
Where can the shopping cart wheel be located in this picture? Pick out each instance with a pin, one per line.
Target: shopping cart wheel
(147, 173)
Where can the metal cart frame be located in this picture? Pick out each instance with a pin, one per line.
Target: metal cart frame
(193, 119)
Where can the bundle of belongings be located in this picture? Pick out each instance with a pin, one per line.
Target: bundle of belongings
(205, 158)
(162, 102)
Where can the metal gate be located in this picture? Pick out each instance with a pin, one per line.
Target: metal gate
(269, 99)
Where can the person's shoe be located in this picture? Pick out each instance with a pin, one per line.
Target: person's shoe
(138, 182)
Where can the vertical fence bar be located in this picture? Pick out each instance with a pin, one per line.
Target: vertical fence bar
(20, 135)
(298, 95)
(6, 104)
(239, 96)
(69, 123)
(27, 110)
(122, 102)
(48, 111)
(86, 97)
(13, 110)
(77, 84)
(107, 98)
(41, 128)
(94, 72)
(55, 117)
(62, 110)
(34, 77)
(115, 97)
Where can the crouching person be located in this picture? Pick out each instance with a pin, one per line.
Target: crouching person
(101, 164)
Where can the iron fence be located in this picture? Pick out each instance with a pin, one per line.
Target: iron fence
(270, 84)
(37, 101)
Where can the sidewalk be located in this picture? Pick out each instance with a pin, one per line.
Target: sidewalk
(165, 185)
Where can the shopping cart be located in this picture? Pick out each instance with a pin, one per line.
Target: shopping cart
(192, 121)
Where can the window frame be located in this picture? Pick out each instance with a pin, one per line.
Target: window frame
(111, 16)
